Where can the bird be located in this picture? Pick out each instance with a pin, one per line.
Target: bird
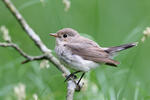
(82, 54)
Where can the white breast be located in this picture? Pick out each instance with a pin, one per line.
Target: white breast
(75, 62)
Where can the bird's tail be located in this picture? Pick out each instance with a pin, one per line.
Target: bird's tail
(115, 49)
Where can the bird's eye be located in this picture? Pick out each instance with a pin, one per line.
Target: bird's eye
(65, 35)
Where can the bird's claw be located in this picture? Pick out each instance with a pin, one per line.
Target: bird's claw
(69, 76)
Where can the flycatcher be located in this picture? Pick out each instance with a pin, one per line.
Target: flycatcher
(83, 54)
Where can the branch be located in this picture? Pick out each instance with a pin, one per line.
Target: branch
(31, 33)
(22, 53)
(70, 90)
(25, 26)
(34, 58)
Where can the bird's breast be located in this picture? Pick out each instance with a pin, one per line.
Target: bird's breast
(75, 61)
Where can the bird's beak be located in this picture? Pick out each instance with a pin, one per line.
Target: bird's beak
(53, 34)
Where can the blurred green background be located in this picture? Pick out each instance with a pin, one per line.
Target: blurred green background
(108, 22)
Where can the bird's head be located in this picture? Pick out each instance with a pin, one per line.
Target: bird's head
(65, 35)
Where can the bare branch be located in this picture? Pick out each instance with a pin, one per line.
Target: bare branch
(35, 37)
(70, 90)
(25, 26)
(35, 58)
(22, 53)
(15, 47)
(47, 52)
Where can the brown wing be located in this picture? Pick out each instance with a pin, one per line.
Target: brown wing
(90, 52)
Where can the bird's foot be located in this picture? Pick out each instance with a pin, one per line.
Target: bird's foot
(72, 75)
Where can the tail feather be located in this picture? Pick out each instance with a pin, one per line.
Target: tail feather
(120, 48)
(111, 62)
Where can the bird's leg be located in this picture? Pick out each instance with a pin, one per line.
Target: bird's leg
(81, 78)
(72, 75)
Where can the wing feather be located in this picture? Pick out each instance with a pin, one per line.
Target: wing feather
(90, 52)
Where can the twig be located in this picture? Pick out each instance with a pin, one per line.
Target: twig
(22, 53)
(31, 33)
(34, 58)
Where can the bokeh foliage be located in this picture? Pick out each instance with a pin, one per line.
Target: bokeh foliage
(109, 22)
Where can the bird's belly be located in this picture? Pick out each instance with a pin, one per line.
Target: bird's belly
(79, 63)
(74, 61)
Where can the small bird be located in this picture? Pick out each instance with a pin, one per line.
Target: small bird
(83, 54)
